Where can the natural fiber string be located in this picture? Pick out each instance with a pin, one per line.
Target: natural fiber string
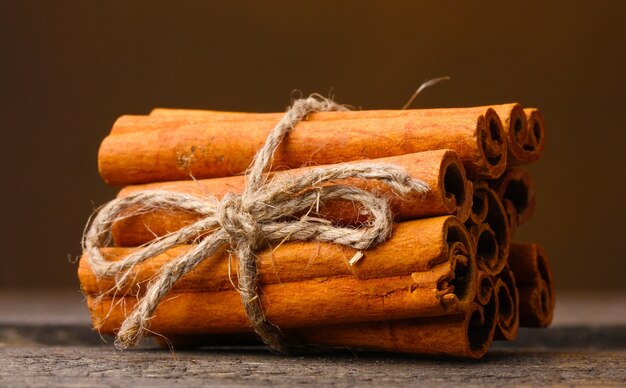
(265, 214)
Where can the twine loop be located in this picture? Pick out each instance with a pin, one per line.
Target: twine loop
(268, 212)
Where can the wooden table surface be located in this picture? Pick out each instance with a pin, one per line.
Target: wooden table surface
(45, 340)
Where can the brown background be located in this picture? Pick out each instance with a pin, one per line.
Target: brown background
(68, 69)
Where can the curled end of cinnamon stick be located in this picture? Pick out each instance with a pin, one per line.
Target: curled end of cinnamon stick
(479, 209)
(534, 143)
(457, 189)
(492, 145)
(498, 221)
(536, 132)
(507, 297)
(485, 288)
(515, 125)
(480, 327)
(535, 282)
(516, 186)
(487, 257)
(458, 288)
(547, 293)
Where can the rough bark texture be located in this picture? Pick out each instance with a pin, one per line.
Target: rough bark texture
(205, 148)
(426, 269)
(466, 335)
(450, 193)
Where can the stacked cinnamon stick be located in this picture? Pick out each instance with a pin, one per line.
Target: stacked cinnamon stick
(447, 282)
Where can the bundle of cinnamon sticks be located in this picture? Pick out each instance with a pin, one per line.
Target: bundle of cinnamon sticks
(448, 281)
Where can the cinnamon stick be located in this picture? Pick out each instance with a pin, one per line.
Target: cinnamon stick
(426, 336)
(480, 205)
(288, 305)
(536, 284)
(516, 131)
(492, 254)
(466, 335)
(524, 131)
(415, 246)
(507, 297)
(488, 258)
(427, 268)
(462, 335)
(450, 193)
(536, 140)
(485, 288)
(206, 148)
(517, 191)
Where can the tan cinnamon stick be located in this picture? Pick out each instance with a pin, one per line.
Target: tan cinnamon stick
(462, 335)
(440, 336)
(517, 191)
(427, 268)
(214, 148)
(467, 335)
(536, 284)
(507, 297)
(415, 247)
(293, 304)
(450, 193)
(515, 124)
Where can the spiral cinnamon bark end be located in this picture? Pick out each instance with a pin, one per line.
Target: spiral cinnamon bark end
(536, 284)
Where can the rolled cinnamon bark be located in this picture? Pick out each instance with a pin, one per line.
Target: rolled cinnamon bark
(462, 335)
(391, 336)
(215, 148)
(535, 141)
(426, 269)
(415, 247)
(515, 126)
(488, 258)
(535, 282)
(294, 304)
(480, 205)
(450, 193)
(507, 298)
(485, 288)
(496, 224)
(517, 191)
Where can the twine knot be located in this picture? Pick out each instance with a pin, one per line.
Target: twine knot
(267, 212)
(236, 218)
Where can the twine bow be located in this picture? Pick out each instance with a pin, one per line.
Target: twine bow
(268, 212)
